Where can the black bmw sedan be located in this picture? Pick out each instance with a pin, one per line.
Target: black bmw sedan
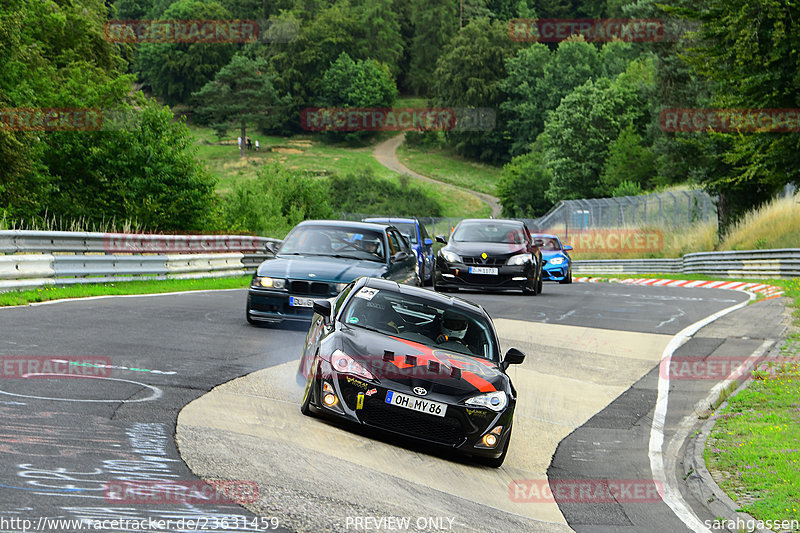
(412, 362)
(489, 254)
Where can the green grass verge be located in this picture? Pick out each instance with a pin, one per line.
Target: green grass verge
(310, 154)
(444, 165)
(125, 287)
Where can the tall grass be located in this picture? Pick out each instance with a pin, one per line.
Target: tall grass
(774, 225)
(50, 222)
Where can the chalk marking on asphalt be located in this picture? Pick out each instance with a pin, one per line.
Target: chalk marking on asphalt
(668, 490)
(154, 396)
(116, 367)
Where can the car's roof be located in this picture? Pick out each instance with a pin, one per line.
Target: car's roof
(484, 220)
(438, 298)
(344, 224)
(545, 235)
(391, 220)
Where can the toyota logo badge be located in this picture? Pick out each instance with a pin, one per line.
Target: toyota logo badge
(419, 391)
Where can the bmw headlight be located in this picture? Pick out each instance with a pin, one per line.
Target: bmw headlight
(520, 259)
(269, 283)
(556, 260)
(344, 364)
(496, 401)
(450, 257)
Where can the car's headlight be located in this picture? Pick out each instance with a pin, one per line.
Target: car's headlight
(450, 257)
(496, 401)
(520, 259)
(556, 260)
(269, 283)
(344, 364)
(340, 287)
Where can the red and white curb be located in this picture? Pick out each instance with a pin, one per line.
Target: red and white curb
(769, 291)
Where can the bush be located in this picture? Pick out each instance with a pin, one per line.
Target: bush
(363, 192)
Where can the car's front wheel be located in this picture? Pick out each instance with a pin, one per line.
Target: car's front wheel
(567, 279)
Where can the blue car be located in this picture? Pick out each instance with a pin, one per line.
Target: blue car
(318, 259)
(420, 241)
(557, 262)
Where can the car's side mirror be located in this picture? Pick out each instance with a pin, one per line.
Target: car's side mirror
(399, 256)
(513, 357)
(323, 307)
(441, 238)
(567, 248)
(272, 247)
(428, 241)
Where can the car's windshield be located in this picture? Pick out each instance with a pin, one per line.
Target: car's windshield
(547, 243)
(336, 242)
(422, 320)
(487, 231)
(408, 229)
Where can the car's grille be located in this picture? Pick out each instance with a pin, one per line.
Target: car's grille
(316, 288)
(443, 430)
(489, 261)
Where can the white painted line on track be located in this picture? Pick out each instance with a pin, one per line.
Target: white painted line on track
(104, 296)
(670, 493)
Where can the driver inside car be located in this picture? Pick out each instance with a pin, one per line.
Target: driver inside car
(454, 328)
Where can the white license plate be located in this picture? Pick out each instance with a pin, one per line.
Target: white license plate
(415, 404)
(294, 301)
(483, 270)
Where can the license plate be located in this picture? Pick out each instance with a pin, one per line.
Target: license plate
(294, 301)
(415, 404)
(483, 270)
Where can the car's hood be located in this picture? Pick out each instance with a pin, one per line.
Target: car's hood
(549, 254)
(490, 248)
(397, 361)
(330, 269)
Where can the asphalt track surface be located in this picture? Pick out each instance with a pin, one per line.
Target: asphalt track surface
(584, 409)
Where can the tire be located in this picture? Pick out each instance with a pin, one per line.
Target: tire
(496, 462)
(539, 284)
(305, 407)
(568, 279)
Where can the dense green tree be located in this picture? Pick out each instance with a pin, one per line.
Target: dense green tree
(749, 52)
(361, 83)
(362, 190)
(175, 70)
(380, 34)
(141, 169)
(628, 161)
(469, 74)
(581, 130)
(523, 185)
(435, 22)
(242, 92)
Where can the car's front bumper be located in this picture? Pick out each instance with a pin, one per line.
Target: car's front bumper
(457, 276)
(273, 306)
(555, 272)
(461, 428)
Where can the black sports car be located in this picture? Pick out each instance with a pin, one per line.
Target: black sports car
(413, 362)
(489, 254)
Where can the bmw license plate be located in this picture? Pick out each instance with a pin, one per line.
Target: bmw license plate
(483, 270)
(294, 301)
(415, 404)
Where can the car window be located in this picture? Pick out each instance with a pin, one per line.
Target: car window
(420, 320)
(396, 243)
(408, 229)
(487, 231)
(340, 242)
(547, 243)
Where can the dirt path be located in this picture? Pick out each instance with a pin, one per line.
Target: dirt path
(386, 154)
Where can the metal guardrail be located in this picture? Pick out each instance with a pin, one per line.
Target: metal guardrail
(30, 259)
(757, 264)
